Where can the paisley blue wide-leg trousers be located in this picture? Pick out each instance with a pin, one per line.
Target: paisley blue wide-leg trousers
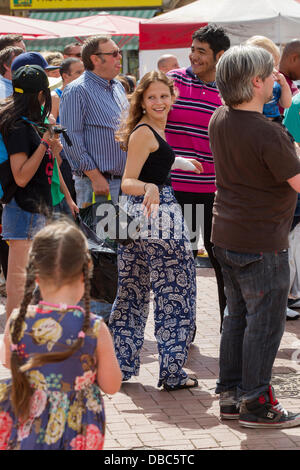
(162, 261)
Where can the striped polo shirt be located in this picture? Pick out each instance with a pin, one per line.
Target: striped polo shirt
(91, 108)
(6, 88)
(187, 130)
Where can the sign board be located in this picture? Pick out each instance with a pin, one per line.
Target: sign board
(80, 4)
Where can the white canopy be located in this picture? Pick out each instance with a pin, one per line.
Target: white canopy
(279, 20)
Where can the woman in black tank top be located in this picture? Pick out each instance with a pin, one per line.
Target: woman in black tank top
(162, 258)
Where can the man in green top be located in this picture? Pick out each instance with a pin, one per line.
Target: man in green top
(292, 123)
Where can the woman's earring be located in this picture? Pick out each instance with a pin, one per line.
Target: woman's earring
(144, 111)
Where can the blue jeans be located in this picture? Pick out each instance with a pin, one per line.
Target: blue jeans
(84, 195)
(62, 208)
(84, 190)
(256, 287)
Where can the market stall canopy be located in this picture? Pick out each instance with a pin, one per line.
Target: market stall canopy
(32, 29)
(120, 25)
(124, 26)
(279, 20)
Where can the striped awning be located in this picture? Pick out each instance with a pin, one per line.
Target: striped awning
(67, 15)
(59, 44)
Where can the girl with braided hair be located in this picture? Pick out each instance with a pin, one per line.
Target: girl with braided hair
(60, 355)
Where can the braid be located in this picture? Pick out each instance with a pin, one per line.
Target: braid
(87, 289)
(72, 258)
(28, 290)
(21, 390)
(40, 359)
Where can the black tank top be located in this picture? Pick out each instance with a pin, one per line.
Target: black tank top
(157, 167)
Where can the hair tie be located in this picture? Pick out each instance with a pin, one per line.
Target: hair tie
(81, 334)
(14, 347)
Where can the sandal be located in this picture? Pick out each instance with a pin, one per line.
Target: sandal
(183, 386)
(194, 335)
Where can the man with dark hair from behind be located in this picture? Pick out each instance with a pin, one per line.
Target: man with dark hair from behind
(257, 176)
(187, 133)
(9, 40)
(128, 82)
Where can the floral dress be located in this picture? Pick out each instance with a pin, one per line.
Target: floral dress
(66, 410)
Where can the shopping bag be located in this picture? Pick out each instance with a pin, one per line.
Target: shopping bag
(111, 222)
(104, 281)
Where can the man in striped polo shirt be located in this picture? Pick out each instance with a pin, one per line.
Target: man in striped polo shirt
(187, 133)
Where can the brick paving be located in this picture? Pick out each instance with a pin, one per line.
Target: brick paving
(140, 416)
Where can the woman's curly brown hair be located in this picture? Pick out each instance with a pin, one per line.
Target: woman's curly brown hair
(135, 113)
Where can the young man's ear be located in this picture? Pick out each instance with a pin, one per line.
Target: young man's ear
(219, 55)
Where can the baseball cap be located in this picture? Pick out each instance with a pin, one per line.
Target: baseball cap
(31, 58)
(29, 79)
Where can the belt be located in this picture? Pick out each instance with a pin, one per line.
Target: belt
(109, 176)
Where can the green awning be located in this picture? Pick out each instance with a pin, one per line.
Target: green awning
(67, 15)
(58, 44)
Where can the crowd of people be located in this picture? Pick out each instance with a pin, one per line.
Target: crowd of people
(211, 149)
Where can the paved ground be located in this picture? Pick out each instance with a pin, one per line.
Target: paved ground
(141, 416)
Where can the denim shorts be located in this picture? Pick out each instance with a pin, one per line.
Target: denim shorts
(18, 224)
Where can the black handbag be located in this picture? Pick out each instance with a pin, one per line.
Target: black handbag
(104, 282)
(111, 222)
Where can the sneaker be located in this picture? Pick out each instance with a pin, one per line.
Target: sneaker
(294, 303)
(266, 412)
(291, 314)
(229, 407)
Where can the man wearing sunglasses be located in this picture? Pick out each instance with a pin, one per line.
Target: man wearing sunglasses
(90, 108)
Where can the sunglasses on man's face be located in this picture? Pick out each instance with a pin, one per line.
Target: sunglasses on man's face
(114, 54)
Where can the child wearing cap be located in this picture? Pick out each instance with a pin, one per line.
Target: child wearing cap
(62, 200)
(31, 159)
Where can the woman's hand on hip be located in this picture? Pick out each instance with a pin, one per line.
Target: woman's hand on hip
(151, 199)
